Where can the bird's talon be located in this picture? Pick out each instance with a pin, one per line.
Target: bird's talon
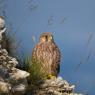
(51, 77)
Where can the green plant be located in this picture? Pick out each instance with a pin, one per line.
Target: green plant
(37, 76)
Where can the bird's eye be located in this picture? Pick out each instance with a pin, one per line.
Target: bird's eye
(46, 37)
(51, 37)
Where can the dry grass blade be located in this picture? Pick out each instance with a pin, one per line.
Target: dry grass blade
(89, 39)
(88, 57)
(85, 59)
(77, 67)
(62, 20)
(50, 20)
(33, 39)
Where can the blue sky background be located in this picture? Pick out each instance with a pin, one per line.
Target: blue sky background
(75, 36)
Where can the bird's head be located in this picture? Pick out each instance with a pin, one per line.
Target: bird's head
(46, 37)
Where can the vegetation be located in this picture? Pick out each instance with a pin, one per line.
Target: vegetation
(37, 76)
(36, 73)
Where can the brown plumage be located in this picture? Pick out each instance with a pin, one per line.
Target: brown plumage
(48, 54)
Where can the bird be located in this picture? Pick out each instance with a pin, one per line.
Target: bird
(48, 54)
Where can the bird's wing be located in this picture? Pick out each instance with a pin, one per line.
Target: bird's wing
(56, 59)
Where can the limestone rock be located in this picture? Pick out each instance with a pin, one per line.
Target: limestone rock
(56, 86)
(2, 23)
(18, 74)
(11, 79)
(4, 87)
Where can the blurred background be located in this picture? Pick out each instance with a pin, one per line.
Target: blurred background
(72, 23)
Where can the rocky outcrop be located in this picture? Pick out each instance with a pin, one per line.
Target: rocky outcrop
(56, 86)
(12, 80)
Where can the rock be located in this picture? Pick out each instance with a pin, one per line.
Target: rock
(11, 79)
(4, 52)
(19, 88)
(18, 74)
(2, 23)
(4, 87)
(2, 28)
(57, 86)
